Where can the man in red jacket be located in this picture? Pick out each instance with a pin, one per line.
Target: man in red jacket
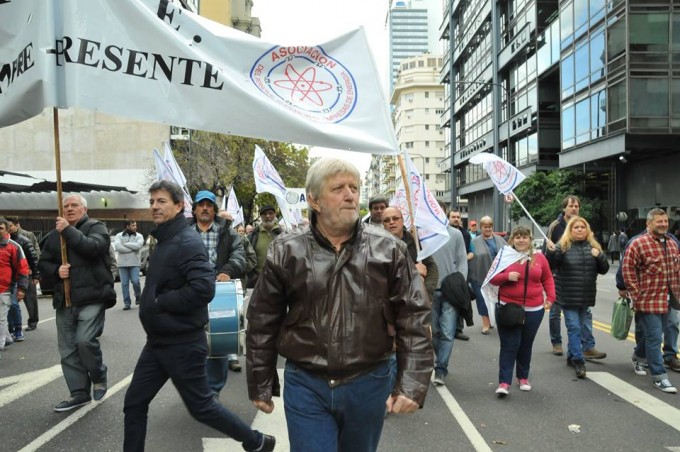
(13, 269)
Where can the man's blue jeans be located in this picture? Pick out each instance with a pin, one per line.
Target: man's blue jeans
(344, 418)
(574, 319)
(652, 329)
(14, 317)
(444, 318)
(554, 323)
(129, 275)
(218, 371)
(516, 347)
(670, 337)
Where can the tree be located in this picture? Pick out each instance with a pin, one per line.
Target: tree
(542, 194)
(212, 161)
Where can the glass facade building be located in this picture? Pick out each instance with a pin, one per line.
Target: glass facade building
(591, 85)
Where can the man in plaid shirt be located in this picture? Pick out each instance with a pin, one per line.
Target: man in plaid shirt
(651, 272)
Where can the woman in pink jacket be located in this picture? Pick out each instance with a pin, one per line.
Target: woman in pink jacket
(517, 342)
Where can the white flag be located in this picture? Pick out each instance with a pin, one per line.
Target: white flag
(234, 208)
(174, 166)
(165, 172)
(504, 175)
(267, 180)
(154, 61)
(505, 257)
(429, 216)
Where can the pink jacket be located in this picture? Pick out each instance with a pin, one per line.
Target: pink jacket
(540, 280)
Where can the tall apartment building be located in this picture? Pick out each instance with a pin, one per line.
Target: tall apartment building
(418, 100)
(591, 85)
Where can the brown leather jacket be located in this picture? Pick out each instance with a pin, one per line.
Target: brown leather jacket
(328, 312)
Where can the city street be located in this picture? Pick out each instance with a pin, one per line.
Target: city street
(611, 410)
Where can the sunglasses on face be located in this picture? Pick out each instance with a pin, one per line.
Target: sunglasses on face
(391, 219)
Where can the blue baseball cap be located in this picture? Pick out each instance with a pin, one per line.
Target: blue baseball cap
(205, 194)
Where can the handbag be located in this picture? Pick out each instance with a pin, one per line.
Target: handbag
(622, 316)
(510, 315)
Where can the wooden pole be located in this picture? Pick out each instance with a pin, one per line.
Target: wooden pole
(57, 158)
(407, 190)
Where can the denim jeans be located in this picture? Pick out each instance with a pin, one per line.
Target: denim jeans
(344, 418)
(78, 330)
(218, 371)
(5, 303)
(444, 318)
(554, 323)
(516, 347)
(574, 319)
(184, 364)
(652, 329)
(670, 337)
(479, 298)
(129, 275)
(14, 317)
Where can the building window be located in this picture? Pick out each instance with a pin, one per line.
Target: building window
(616, 39)
(649, 32)
(583, 121)
(427, 127)
(598, 114)
(427, 94)
(617, 101)
(427, 144)
(649, 97)
(567, 78)
(409, 145)
(568, 127)
(597, 57)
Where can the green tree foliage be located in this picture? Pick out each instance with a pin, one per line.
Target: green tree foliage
(542, 194)
(212, 160)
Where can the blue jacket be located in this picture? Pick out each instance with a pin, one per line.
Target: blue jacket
(179, 285)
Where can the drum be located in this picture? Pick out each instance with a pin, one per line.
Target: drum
(225, 324)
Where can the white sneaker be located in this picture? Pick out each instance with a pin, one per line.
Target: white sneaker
(665, 386)
(638, 368)
(503, 390)
(524, 384)
(438, 380)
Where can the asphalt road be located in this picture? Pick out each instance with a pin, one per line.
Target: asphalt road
(611, 410)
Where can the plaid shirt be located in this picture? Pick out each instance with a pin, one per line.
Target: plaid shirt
(649, 270)
(210, 238)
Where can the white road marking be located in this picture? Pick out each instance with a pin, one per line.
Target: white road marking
(650, 404)
(22, 384)
(73, 418)
(464, 421)
(272, 424)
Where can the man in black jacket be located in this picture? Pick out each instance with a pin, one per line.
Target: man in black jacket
(80, 315)
(179, 285)
(227, 256)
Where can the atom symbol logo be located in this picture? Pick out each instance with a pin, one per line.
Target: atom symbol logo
(303, 86)
(499, 170)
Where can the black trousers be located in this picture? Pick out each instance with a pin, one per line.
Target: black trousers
(31, 302)
(184, 364)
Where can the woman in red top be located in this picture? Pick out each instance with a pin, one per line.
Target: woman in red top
(517, 342)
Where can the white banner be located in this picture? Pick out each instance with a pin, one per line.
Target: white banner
(164, 171)
(153, 61)
(505, 258)
(233, 207)
(430, 219)
(504, 175)
(296, 198)
(267, 180)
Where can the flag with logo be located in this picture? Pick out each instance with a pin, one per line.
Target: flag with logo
(430, 219)
(503, 175)
(505, 257)
(154, 60)
(165, 172)
(267, 180)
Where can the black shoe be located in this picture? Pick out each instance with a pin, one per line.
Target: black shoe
(126, 308)
(235, 365)
(579, 368)
(31, 327)
(73, 402)
(462, 337)
(570, 362)
(98, 391)
(267, 445)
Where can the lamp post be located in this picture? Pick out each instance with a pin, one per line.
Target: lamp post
(413, 154)
(497, 204)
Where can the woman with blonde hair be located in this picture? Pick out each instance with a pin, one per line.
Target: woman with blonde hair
(486, 246)
(578, 259)
(524, 283)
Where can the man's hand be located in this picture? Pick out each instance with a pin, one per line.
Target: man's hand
(21, 293)
(266, 406)
(61, 224)
(623, 293)
(222, 277)
(549, 245)
(401, 404)
(422, 269)
(64, 271)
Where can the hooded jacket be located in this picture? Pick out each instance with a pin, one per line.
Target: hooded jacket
(576, 276)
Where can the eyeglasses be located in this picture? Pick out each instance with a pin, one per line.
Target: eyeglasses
(391, 219)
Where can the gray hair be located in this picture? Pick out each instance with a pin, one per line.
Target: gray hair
(655, 212)
(176, 192)
(325, 168)
(83, 201)
(486, 220)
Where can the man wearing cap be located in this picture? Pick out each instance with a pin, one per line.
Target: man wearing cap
(261, 237)
(228, 259)
(473, 229)
(376, 206)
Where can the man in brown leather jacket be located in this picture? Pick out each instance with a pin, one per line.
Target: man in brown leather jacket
(324, 300)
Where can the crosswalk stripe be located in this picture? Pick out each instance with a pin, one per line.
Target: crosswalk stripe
(636, 397)
(273, 424)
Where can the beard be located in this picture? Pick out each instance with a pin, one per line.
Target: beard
(268, 224)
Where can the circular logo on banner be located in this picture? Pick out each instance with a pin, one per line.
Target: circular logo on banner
(307, 81)
(292, 197)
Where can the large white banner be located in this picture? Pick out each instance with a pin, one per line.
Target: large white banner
(153, 61)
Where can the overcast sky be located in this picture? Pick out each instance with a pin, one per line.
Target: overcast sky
(309, 22)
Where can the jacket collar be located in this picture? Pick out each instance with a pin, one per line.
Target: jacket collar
(319, 237)
(170, 228)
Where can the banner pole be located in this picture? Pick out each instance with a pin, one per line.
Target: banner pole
(407, 190)
(60, 207)
(528, 214)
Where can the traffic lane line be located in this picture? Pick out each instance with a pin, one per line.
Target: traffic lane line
(463, 420)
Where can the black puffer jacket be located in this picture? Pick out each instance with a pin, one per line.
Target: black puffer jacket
(179, 285)
(87, 245)
(575, 280)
